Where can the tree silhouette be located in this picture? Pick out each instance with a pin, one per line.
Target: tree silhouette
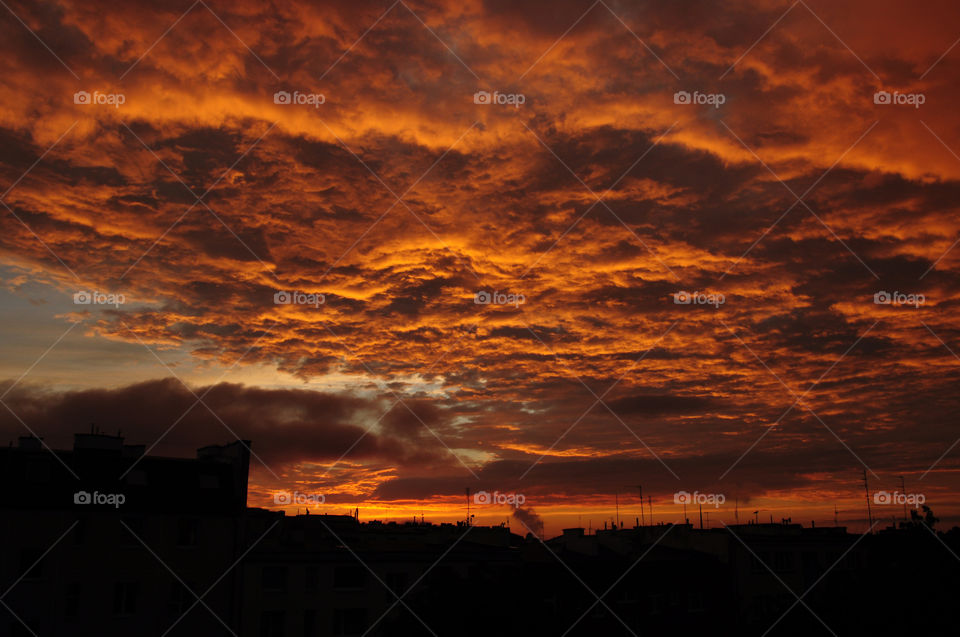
(928, 518)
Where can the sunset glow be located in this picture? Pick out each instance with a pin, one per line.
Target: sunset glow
(560, 250)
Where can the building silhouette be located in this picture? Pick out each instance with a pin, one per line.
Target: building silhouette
(104, 540)
(114, 568)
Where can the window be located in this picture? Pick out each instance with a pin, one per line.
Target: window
(274, 578)
(656, 603)
(180, 598)
(79, 531)
(764, 604)
(783, 561)
(208, 481)
(311, 578)
(695, 602)
(349, 577)
(131, 529)
(758, 563)
(71, 600)
(675, 599)
(397, 582)
(309, 623)
(850, 561)
(38, 471)
(31, 563)
(125, 598)
(18, 629)
(187, 531)
(349, 621)
(272, 623)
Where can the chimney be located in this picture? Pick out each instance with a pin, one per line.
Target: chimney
(133, 451)
(30, 443)
(238, 454)
(97, 442)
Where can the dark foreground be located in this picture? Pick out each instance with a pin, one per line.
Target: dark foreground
(181, 554)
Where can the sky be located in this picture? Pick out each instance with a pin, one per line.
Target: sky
(558, 251)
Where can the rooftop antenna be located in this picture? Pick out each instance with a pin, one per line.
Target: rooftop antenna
(756, 516)
(866, 490)
(903, 492)
(700, 505)
(642, 518)
(650, 506)
(468, 506)
(836, 520)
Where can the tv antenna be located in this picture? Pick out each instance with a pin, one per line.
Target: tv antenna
(642, 518)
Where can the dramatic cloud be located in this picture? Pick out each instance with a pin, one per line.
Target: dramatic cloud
(614, 242)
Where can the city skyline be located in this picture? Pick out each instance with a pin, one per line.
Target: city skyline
(86, 552)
